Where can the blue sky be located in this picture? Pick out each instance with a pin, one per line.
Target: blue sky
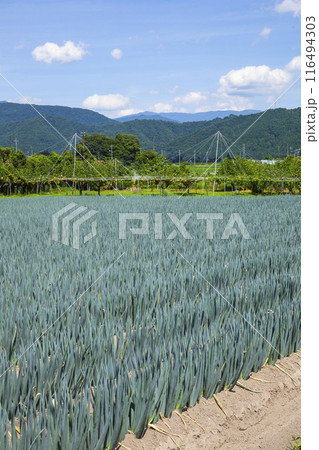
(119, 57)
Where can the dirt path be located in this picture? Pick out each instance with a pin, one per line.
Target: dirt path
(265, 420)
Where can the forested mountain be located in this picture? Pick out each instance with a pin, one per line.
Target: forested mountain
(276, 130)
(269, 136)
(42, 137)
(15, 112)
(146, 115)
(186, 117)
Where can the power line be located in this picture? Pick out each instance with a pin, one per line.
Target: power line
(198, 144)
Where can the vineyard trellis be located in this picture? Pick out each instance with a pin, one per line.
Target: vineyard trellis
(37, 185)
(122, 177)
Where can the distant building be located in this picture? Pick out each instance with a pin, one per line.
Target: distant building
(268, 161)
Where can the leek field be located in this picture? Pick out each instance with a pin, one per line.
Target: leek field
(93, 344)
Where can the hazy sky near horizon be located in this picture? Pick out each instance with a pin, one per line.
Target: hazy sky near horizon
(121, 57)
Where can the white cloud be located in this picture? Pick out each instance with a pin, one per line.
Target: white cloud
(174, 89)
(238, 87)
(254, 80)
(109, 102)
(191, 98)
(162, 108)
(234, 102)
(294, 64)
(293, 6)
(65, 53)
(153, 92)
(205, 108)
(181, 110)
(117, 53)
(127, 112)
(26, 100)
(20, 46)
(265, 32)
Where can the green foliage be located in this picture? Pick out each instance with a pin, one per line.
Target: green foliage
(37, 165)
(248, 174)
(290, 167)
(99, 145)
(149, 162)
(296, 445)
(125, 148)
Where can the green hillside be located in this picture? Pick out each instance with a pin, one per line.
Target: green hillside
(164, 132)
(15, 112)
(269, 136)
(36, 132)
(40, 135)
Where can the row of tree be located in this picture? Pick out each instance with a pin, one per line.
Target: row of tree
(98, 156)
(290, 167)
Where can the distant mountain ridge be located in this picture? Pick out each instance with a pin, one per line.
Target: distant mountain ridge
(13, 112)
(147, 115)
(185, 117)
(269, 136)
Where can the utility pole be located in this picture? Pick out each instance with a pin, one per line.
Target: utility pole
(82, 141)
(111, 151)
(16, 143)
(244, 151)
(179, 156)
(74, 158)
(216, 156)
(115, 173)
(194, 156)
